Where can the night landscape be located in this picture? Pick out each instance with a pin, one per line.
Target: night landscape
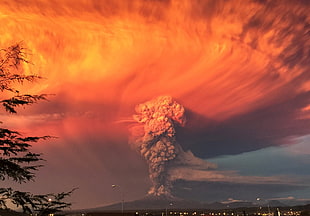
(155, 107)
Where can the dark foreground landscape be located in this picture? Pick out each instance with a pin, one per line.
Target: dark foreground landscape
(241, 211)
(163, 206)
(151, 206)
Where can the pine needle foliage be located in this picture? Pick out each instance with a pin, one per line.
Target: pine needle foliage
(17, 162)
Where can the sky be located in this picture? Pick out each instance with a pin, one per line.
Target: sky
(239, 69)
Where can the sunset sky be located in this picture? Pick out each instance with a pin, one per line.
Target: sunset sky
(239, 68)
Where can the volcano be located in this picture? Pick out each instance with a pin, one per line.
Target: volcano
(156, 202)
(151, 202)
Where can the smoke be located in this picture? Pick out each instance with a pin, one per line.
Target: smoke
(157, 142)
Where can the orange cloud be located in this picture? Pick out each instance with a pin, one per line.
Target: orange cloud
(219, 59)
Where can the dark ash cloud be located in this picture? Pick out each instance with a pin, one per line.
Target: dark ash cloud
(268, 126)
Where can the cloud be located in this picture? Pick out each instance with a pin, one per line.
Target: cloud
(272, 125)
(302, 149)
(232, 200)
(231, 177)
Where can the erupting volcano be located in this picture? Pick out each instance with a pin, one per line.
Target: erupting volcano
(157, 144)
(240, 68)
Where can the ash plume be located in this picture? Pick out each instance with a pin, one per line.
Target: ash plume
(157, 141)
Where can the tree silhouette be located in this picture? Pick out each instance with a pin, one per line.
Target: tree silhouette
(17, 162)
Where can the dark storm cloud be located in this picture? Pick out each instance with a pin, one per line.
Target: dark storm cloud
(268, 126)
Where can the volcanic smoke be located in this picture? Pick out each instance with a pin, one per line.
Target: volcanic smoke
(157, 143)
